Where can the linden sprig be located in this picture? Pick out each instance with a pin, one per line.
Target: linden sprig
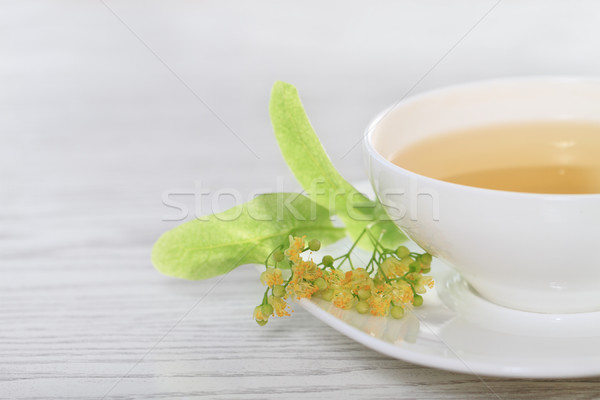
(215, 244)
(391, 280)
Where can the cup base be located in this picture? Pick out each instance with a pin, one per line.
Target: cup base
(454, 291)
(529, 300)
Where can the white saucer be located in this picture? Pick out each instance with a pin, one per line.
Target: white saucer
(457, 330)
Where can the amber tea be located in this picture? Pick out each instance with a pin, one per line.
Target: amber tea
(560, 157)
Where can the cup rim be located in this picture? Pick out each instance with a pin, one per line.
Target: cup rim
(367, 138)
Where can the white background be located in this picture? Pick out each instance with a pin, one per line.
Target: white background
(104, 107)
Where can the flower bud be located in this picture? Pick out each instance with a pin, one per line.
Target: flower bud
(314, 245)
(415, 266)
(278, 256)
(397, 312)
(418, 300)
(426, 258)
(328, 261)
(402, 251)
(362, 307)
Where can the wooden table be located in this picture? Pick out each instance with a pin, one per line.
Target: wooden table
(106, 108)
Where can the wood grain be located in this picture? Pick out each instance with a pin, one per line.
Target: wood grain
(95, 130)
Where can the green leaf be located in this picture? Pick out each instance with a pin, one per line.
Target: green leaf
(245, 234)
(301, 147)
(311, 166)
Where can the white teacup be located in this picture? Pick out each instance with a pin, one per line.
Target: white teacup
(532, 252)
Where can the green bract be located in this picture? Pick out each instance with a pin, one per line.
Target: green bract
(245, 234)
(311, 166)
(248, 233)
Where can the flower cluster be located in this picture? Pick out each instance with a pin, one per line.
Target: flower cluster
(391, 281)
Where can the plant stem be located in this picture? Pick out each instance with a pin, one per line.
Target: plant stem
(270, 254)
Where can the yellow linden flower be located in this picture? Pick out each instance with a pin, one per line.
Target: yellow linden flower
(296, 247)
(297, 242)
(307, 270)
(271, 277)
(298, 272)
(259, 314)
(333, 277)
(402, 267)
(354, 276)
(384, 290)
(358, 279)
(343, 299)
(413, 276)
(393, 267)
(279, 306)
(379, 304)
(360, 274)
(303, 289)
(293, 255)
(424, 281)
(401, 292)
